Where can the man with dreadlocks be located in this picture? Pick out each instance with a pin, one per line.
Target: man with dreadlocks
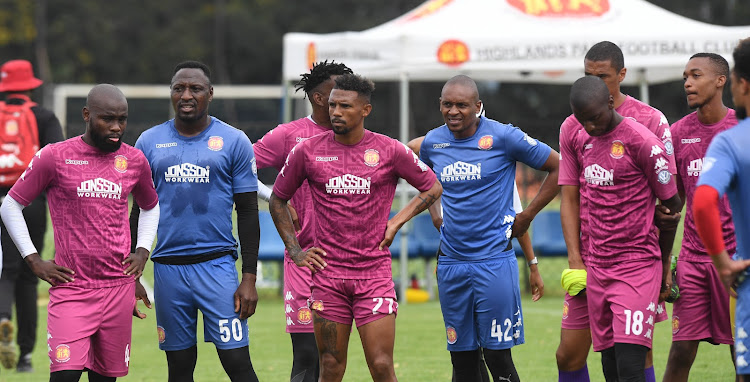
(271, 151)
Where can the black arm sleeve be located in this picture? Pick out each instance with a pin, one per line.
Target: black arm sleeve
(48, 125)
(248, 229)
(135, 213)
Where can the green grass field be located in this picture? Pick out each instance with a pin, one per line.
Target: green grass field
(420, 353)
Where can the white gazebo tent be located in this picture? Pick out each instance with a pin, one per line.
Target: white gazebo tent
(541, 41)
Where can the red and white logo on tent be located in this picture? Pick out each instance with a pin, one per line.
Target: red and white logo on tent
(453, 52)
(562, 8)
(311, 53)
(427, 9)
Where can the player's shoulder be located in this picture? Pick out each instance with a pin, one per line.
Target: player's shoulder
(156, 131)
(496, 127)
(635, 132)
(684, 123)
(438, 134)
(570, 125)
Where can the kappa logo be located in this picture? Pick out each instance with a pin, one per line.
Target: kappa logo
(288, 296)
(687, 141)
(695, 166)
(9, 160)
(187, 173)
(740, 347)
(661, 163)
(301, 139)
(588, 146)
(656, 150)
(440, 145)
(348, 184)
(76, 162)
(663, 121)
(599, 176)
(326, 159)
(531, 141)
(99, 188)
(667, 134)
(507, 220)
(419, 163)
(460, 171)
(165, 145)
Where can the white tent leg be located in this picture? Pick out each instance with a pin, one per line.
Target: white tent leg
(643, 84)
(404, 195)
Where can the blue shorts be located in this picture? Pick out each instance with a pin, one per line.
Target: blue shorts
(481, 302)
(181, 290)
(742, 327)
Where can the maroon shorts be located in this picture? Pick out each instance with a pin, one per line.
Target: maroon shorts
(297, 291)
(623, 302)
(362, 300)
(575, 312)
(702, 311)
(91, 328)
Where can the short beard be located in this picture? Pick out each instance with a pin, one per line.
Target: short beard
(341, 130)
(741, 113)
(103, 143)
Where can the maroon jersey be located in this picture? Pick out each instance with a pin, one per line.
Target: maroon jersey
(691, 139)
(87, 192)
(352, 188)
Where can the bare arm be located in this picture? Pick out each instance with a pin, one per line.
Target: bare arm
(666, 241)
(282, 218)
(547, 192)
(418, 204)
(535, 278)
(570, 217)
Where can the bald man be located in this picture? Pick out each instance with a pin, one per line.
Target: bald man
(625, 169)
(475, 160)
(88, 179)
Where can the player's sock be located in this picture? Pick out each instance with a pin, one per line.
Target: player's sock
(305, 366)
(580, 375)
(650, 374)
(181, 364)
(501, 365)
(237, 364)
(65, 376)
(465, 365)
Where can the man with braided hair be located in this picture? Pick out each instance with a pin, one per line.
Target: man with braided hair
(271, 151)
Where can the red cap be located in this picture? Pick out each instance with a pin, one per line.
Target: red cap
(17, 76)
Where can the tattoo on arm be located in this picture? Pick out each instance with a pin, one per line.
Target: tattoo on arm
(286, 227)
(425, 203)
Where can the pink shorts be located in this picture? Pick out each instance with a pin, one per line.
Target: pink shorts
(362, 300)
(91, 328)
(622, 303)
(297, 291)
(702, 311)
(576, 312)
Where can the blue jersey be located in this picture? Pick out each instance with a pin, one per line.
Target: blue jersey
(196, 179)
(477, 174)
(725, 169)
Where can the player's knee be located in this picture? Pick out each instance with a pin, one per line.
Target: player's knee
(631, 359)
(331, 366)
(381, 366)
(569, 358)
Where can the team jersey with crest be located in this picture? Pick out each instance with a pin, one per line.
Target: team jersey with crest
(624, 172)
(87, 192)
(725, 169)
(631, 108)
(196, 179)
(352, 188)
(691, 139)
(477, 175)
(272, 150)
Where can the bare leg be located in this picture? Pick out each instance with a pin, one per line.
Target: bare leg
(333, 343)
(681, 358)
(378, 338)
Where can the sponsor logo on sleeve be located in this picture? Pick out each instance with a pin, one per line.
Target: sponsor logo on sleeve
(664, 176)
(618, 150)
(461, 171)
(599, 176)
(485, 143)
(215, 143)
(121, 163)
(531, 141)
(670, 148)
(372, 157)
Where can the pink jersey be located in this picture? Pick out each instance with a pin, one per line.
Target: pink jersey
(624, 172)
(87, 192)
(691, 140)
(272, 150)
(571, 130)
(352, 188)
